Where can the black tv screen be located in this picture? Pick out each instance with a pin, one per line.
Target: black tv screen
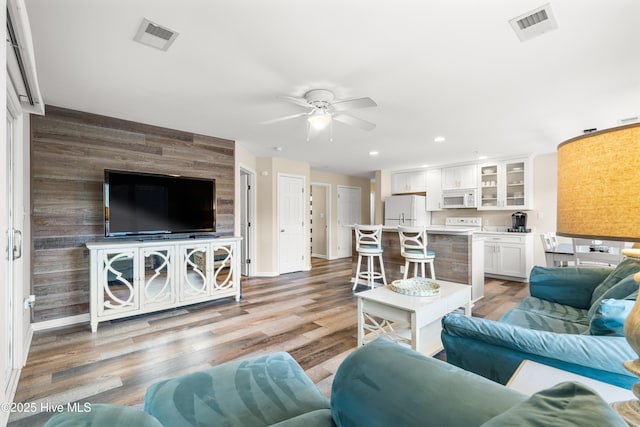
(151, 204)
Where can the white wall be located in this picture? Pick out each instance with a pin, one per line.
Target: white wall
(382, 190)
(244, 159)
(266, 221)
(268, 169)
(335, 180)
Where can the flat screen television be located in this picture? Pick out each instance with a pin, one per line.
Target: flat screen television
(144, 204)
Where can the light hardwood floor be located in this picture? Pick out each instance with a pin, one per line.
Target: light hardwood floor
(312, 315)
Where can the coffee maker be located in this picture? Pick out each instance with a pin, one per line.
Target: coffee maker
(519, 223)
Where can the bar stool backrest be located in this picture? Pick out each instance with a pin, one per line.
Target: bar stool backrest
(413, 240)
(368, 238)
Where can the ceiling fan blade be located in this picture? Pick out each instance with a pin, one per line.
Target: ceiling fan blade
(298, 101)
(351, 104)
(353, 121)
(281, 119)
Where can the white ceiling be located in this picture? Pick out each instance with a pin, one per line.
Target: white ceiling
(450, 67)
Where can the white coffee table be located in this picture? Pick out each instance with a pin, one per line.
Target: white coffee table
(412, 320)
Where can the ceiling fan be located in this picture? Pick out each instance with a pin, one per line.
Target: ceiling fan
(323, 110)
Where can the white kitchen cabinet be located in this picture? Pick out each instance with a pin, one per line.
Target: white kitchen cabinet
(508, 255)
(434, 190)
(408, 182)
(506, 185)
(129, 278)
(458, 177)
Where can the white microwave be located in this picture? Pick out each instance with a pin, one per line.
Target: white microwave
(459, 198)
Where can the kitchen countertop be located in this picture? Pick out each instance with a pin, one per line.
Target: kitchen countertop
(438, 229)
(503, 232)
(443, 229)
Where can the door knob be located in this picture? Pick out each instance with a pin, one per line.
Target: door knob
(282, 231)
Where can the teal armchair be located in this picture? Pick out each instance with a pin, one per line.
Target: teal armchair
(573, 320)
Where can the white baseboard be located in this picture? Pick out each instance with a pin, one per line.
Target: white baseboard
(266, 274)
(64, 321)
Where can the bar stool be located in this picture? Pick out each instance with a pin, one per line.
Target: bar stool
(413, 247)
(369, 244)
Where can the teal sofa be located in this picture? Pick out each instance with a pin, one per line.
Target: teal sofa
(573, 320)
(381, 384)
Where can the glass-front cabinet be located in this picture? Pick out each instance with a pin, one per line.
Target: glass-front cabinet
(131, 278)
(505, 185)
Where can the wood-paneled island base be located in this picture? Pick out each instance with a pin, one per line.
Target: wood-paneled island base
(459, 257)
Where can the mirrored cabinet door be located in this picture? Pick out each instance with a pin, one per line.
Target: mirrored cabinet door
(194, 267)
(157, 275)
(119, 288)
(223, 268)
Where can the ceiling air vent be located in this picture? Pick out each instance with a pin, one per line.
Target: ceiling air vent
(155, 35)
(534, 23)
(629, 120)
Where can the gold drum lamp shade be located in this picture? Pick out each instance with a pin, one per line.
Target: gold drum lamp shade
(599, 185)
(599, 198)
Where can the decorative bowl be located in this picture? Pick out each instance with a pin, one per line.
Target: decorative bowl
(416, 287)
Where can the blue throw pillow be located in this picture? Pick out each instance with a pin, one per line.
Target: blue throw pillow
(621, 290)
(566, 404)
(609, 317)
(623, 270)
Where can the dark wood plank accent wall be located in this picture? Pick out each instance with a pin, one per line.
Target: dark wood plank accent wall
(69, 152)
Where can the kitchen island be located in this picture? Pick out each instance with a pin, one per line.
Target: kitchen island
(459, 257)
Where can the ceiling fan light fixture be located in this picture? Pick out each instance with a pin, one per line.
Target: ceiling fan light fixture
(319, 119)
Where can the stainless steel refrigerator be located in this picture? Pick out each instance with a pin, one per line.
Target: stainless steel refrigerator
(409, 210)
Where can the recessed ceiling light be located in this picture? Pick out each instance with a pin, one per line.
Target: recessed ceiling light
(373, 153)
(424, 166)
(482, 157)
(277, 148)
(439, 139)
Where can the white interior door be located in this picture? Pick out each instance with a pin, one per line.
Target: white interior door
(11, 249)
(349, 213)
(5, 267)
(291, 215)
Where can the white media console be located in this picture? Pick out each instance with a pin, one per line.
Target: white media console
(129, 278)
